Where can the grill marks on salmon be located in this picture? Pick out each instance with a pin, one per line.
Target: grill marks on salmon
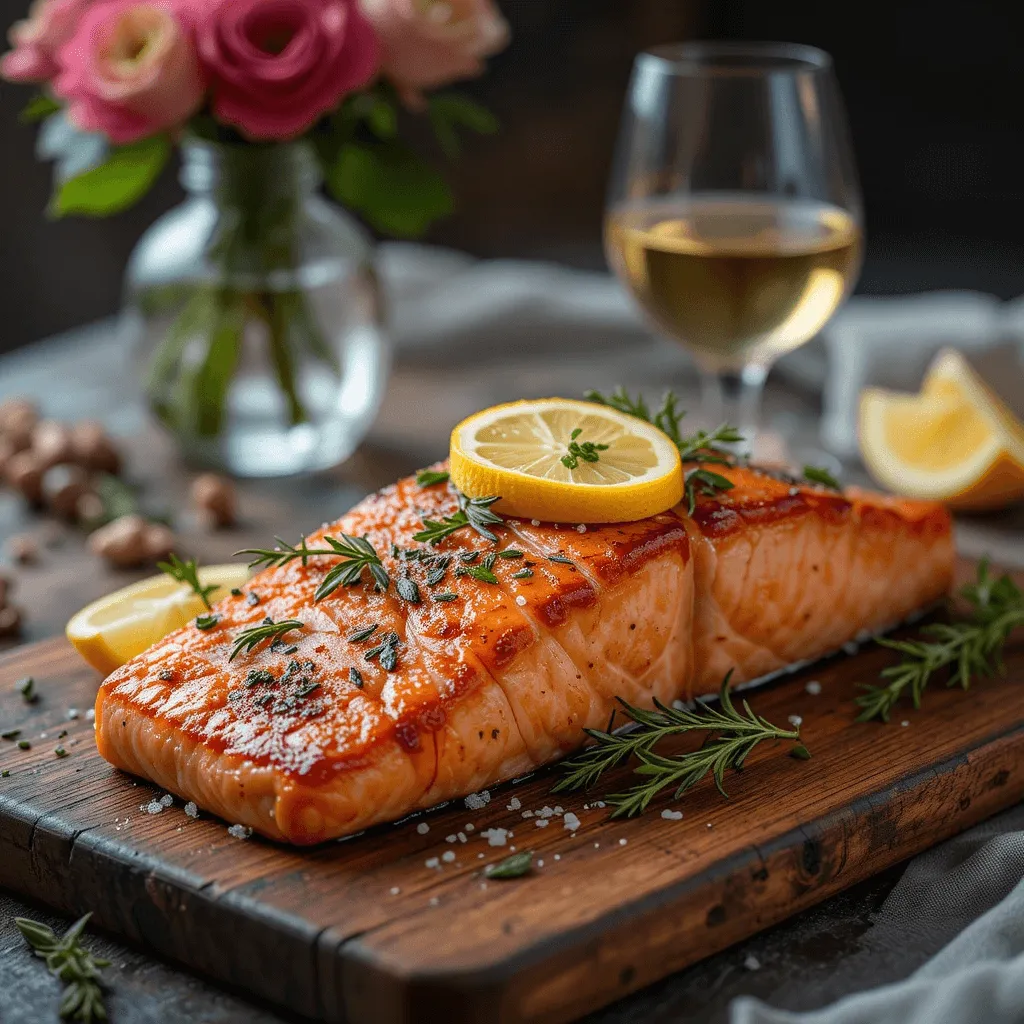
(506, 677)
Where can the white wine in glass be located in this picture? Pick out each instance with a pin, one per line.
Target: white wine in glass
(734, 215)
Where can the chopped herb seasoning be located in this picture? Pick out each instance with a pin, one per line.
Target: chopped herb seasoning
(473, 512)
(386, 651)
(481, 573)
(290, 649)
(24, 745)
(252, 599)
(308, 666)
(587, 451)
(60, 752)
(407, 590)
(561, 559)
(430, 477)
(10, 734)
(249, 638)
(436, 575)
(355, 677)
(363, 634)
(27, 688)
(510, 553)
(445, 597)
(165, 675)
(511, 867)
(256, 676)
(469, 557)
(264, 699)
(235, 695)
(822, 477)
(489, 560)
(5, 774)
(207, 621)
(307, 689)
(523, 574)
(62, 734)
(235, 592)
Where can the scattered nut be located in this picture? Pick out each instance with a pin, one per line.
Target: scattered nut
(93, 449)
(18, 417)
(62, 486)
(51, 443)
(215, 496)
(122, 542)
(25, 474)
(22, 548)
(159, 541)
(10, 621)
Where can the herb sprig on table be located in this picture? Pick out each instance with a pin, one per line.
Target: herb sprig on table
(732, 735)
(72, 964)
(703, 448)
(971, 648)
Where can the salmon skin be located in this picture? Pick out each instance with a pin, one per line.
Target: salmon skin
(463, 683)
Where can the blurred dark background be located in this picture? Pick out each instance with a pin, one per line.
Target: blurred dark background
(934, 94)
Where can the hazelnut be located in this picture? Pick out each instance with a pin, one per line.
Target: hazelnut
(215, 496)
(10, 621)
(62, 486)
(122, 543)
(158, 541)
(18, 416)
(92, 448)
(25, 474)
(51, 443)
(22, 548)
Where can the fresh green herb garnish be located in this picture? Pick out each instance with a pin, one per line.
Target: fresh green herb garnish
(443, 598)
(355, 677)
(473, 512)
(468, 557)
(523, 574)
(510, 553)
(386, 651)
(970, 648)
(235, 592)
(24, 745)
(732, 736)
(561, 559)
(267, 630)
(489, 560)
(407, 590)
(10, 734)
(258, 676)
(588, 451)
(817, 475)
(5, 774)
(477, 572)
(188, 573)
(436, 575)
(703, 482)
(363, 634)
(356, 554)
(72, 964)
(27, 688)
(511, 867)
(61, 752)
(207, 621)
(430, 477)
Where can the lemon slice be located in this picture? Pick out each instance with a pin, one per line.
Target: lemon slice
(954, 442)
(116, 628)
(517, 451)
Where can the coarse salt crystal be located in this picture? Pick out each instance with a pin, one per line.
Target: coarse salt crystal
(752, 963)
(423, 828)
(477, 801)
(395, 890)
(541, 822)
(496, 836)
(850, 647)
(622, 842)
(448, 856)
(167, 799)
(540, 863)
(521, 601)
(90, 715)
(671, 815)
(432, 862)
(514, 804)
(434, 901)
(240, 831)
(597, 846)
(535, 522)
(462, 837)
(546, 812)
(582, 528)
(813, 687)
(527, 814)
(191, 809)
(795, 720)
(570, 822)
(558, 856)
(451, 839)
(72, 714)
(470, 827)
(559, 811)
(904, 723)
(153, 807)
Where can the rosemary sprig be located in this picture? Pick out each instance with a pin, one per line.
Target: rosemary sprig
(588, 451)
(822, 477)
(732, 736)
(473, 512)
(72, 964)
(430, 477)
(268, 629)
(356, 554)
(971, 648)
(702, 447)
(187, 572)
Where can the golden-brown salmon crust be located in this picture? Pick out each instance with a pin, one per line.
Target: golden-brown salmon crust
(309, 740)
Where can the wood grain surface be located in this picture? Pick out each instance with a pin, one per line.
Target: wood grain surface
(363, 930)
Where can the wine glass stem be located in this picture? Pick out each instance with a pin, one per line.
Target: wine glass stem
(734, 397)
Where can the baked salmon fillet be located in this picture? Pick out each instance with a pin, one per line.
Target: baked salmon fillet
(381, 703)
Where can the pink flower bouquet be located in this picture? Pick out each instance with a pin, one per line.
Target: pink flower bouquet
(251, 79)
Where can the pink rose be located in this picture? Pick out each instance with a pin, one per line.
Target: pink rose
(36, 40)
(130, 70)
(427, 43)
(277, 66)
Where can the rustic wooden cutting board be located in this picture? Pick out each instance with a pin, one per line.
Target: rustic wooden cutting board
(364, 931)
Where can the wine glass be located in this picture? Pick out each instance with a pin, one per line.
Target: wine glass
(734, 213)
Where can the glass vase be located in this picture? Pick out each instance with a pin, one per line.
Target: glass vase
(256, 316)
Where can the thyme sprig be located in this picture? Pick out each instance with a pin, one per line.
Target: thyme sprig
(971, 648)
(430, 477)
(732, 735)
(587, 451)
(72, 964)
(268, 629)
(356, 554)
(188, 573)
(474, 513)
(702, 447)
(822, 477)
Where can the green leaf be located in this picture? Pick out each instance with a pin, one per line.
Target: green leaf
(121, 181)
(39, 108)
(397, 192)
(451, 111)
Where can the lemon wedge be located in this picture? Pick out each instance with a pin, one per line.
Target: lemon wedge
(624, 469)
(116, 628)
(954, 442)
